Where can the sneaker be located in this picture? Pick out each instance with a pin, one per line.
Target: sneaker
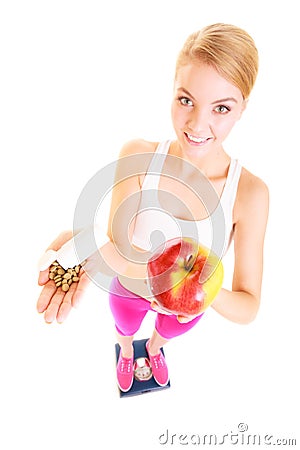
(159, 367)
(125, 373)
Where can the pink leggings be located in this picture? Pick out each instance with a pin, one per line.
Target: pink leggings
(129, 310)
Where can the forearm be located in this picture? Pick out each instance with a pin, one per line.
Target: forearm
(237, 306)
(109, 259)
(113, 261)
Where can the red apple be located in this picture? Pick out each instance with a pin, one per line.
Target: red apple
(184, 276)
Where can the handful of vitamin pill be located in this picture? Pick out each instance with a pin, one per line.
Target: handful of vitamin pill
(62, 277)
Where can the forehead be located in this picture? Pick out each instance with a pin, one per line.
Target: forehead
(205, 83)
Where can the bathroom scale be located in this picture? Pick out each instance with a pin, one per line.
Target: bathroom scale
(143, 381)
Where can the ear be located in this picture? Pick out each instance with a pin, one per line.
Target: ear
(244, 106)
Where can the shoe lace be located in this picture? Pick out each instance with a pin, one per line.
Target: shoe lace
(126, 365)
(158, 361)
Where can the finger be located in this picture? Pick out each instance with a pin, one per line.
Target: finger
(54, 305)
(43, 277)
(154, 305)
(160, 310)
(186, 319)
(66, 305)
(46, 259)
(80, 288)
(61, 239)
(183, 319)
(45, 296)
(63, 312)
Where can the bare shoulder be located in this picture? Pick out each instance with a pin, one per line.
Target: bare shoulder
(137, 146)
(134, 159)
(252, 196)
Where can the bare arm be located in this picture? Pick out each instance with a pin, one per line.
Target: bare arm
(242, 303)
(115, 257)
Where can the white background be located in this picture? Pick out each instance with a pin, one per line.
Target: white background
(78, 79)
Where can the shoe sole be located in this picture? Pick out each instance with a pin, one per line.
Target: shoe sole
(125, 390)
(159, 384)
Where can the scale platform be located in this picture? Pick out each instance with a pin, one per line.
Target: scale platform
(143, 380)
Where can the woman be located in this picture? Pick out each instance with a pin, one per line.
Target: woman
(215, 73)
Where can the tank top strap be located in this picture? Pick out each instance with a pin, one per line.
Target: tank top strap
(151, 180)
(231, 185)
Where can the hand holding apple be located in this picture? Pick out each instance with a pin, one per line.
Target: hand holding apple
(184, 276)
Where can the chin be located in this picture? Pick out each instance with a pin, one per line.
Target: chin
(197, 151)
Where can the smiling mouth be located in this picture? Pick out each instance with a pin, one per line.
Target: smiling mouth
(197, 140)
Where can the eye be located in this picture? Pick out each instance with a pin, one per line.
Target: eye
(185, 101)
(222, 109)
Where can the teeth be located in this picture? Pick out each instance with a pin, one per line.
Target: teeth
(195, 139)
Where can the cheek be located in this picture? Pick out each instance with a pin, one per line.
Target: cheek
(223, 127)
(174, 112)
(178, 115)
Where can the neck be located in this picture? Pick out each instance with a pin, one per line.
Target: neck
(210, 163)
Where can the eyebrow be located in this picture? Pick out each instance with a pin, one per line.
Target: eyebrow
(227, 99)
(222, 100)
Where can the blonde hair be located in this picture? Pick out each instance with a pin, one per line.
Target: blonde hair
(227, 48)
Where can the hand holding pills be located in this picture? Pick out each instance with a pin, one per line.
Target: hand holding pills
(62, 287)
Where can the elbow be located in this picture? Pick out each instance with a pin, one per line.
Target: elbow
(248, 319)
(240, 307)
(250, 313)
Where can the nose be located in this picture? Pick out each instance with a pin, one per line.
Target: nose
(199, 121)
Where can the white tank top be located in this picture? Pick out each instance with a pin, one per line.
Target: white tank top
(153, 225)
